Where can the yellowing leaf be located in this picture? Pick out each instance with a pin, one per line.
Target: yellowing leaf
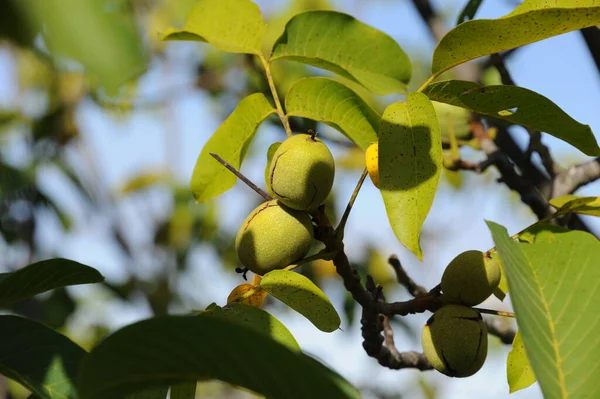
(554, 290)
(210, 178)
(410, 162)
(235, 26)
(333, 103)
(530, 22)
(342, 44)
(302, 295)
(255, 299)
(575, 204)
(518, 371)
(517, 105)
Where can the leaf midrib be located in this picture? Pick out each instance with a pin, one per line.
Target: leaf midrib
(552, 327)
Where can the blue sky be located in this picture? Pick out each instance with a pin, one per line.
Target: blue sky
(559, 68)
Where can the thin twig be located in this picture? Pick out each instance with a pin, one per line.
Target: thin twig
(496, 312)
(282, 116)
(403, 278)
(243, 178)
(339, 231)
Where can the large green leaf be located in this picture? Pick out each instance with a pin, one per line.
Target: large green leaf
(184, 390)
(554, 290)
(44, 276)
(517, 105)
(38, 357)
(230, 142)
(103, 39)
(518, 371)
(342, 44)
(572, 203)
(230, 25)
(257, 319)
(328, 101)
(530, 22)
(173, 349)
(302, 295)
(410, 162)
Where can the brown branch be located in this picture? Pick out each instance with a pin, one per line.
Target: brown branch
(404, 279)
(574, 177)
(591, 36)
(387, 356)
(500, 330)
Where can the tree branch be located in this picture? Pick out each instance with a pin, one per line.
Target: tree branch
(500, 330)
(404, 279)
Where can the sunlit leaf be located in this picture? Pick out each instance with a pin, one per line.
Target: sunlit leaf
(230, 142)
(103, 39)
(331, 102)
(38, 357)
(576, 204)
(44, 276)
(302, 295)
(530, 22)
(554, 290)
(342, 44)
(410, 162)
(257, 319)
(517, 105)
(173, 349)
(518, 371)
(230, 25)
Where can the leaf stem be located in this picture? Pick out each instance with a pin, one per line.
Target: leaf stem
(243, 178)
(427, 82)
(282, 116)
(339, 231)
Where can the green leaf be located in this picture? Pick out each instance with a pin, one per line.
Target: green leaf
(554, 290)
(235, 26)
(575, 204)
(103, 39)
(184, 390)
(410, 163)
(468, 11)
(530, 22)
(343, 45)
(502, 289)
(518, 371)
(152, 393)
(38, 357)
(530, 234)
(44, 276)
(302, 295)
(517, 105)
(230, 142)
(331, 102)
(174, 349)
(270, 152)
(145, 180)
(257, 319)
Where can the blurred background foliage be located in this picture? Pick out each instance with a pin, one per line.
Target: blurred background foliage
(63, 58)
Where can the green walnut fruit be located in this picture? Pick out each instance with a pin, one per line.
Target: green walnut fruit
(301, 172)
(470, 278)
(455, 341)
(272, 237)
